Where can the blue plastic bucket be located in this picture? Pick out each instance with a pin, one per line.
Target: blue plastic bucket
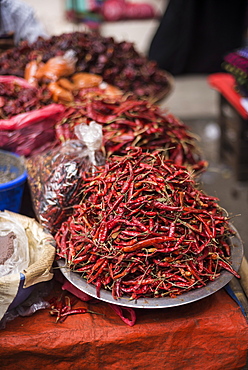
(13, 176)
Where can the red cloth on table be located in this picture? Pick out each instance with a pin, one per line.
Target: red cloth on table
(209, 334)
(224, 83)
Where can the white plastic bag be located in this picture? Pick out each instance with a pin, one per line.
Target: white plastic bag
(16, 286)
(91, 136)
(19, 258)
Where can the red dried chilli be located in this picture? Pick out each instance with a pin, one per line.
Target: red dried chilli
(143, 229)
(119, 63)
(62, 307)
(129, 122)
(16, 99)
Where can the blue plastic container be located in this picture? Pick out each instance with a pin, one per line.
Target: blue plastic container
(11, 192)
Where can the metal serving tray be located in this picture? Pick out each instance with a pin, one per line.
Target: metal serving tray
(237, 251)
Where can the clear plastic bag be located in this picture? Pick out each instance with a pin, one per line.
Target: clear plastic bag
(91, 136)
(56, 67)
(19, 256)
(55, 176)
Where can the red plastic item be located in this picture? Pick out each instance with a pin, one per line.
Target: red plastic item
(26, 119)
(113, 10)
(126, 314)
(116, 10)
(224, 83)
(75, 291)
(123, 312)
(139, 11)
(26, 132)
(14, 79)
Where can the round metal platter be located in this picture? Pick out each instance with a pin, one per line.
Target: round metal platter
(163, 302)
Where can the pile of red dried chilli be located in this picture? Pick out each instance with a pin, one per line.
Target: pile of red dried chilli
(119, 63)
(143, 229)
(16, 99)
(130, 122)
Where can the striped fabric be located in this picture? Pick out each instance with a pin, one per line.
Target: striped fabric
(236, 63)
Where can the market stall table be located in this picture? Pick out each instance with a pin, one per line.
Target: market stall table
(211, 333)
(233, 121)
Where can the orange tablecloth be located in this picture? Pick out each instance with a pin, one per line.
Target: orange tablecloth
(209, 334)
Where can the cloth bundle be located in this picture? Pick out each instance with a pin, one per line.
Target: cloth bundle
(84, 11)
(236, 63)
(94, 12)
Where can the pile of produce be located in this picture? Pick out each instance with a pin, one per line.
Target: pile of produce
(59, 76)
(137, 225)
(129, 122)
(118, 63)
(27, 116)
(55, 175)
(17, 97)
(143, 229)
